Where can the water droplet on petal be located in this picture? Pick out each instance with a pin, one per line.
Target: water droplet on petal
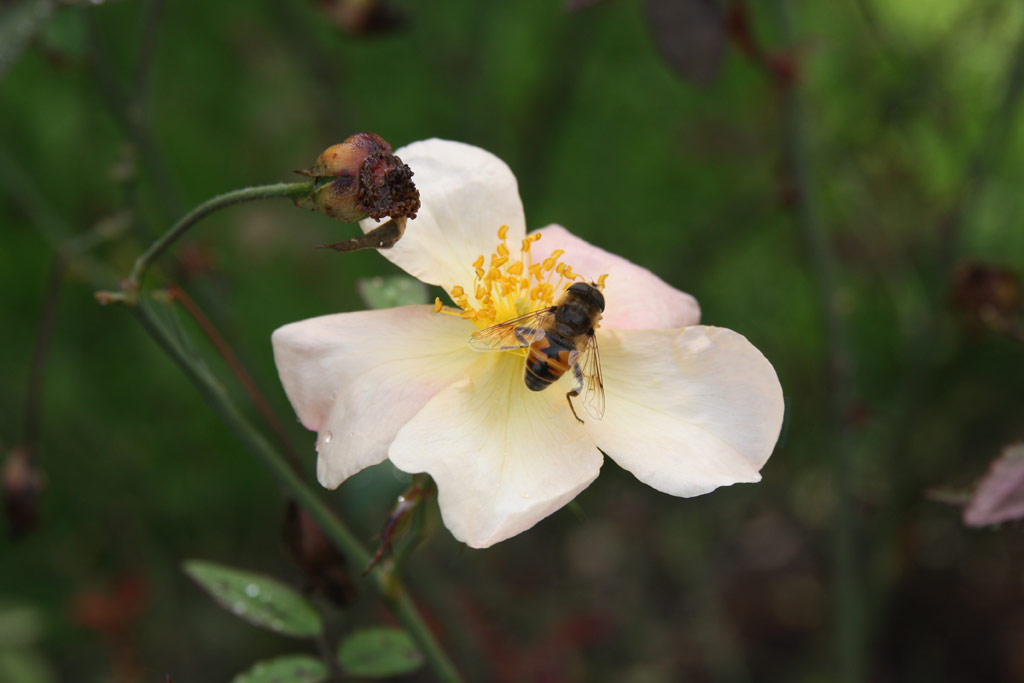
(328, 436)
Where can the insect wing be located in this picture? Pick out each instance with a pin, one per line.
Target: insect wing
(516, 333)
(592, 392)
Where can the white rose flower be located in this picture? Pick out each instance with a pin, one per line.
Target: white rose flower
(689, 407)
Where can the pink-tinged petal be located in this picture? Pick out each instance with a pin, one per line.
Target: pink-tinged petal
(466, 194)
(503, 457)
(999, 496)
(356, 378)
(687, 410)
(635, 298)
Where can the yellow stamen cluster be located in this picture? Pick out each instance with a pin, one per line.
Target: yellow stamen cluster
(504, 288)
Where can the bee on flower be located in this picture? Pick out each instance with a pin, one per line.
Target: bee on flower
(558, 338)
(685, 407)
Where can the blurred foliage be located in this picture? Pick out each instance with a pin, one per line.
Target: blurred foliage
(150, 107)
(21, 629)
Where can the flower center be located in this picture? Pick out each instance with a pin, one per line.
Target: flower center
(505, 288)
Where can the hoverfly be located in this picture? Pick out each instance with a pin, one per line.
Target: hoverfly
(560, 338)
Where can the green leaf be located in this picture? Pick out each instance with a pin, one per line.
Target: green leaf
(287, 669)
(388, 292)
(379, 652)
(20, 626)
(25, 666)
(18, 25)
(259, 599)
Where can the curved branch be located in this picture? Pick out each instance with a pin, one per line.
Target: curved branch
(248, 194)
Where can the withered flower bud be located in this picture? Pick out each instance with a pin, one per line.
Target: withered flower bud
(324, 568)
(987, 293)
(361, 177)
(362, 17)
(21, 486)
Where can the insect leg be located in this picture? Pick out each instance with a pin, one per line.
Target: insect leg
(577, 375)
(568, 397)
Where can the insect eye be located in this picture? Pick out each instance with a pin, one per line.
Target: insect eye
(588, 292)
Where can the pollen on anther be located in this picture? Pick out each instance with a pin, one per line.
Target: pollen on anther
(506, 286)
(437, 304)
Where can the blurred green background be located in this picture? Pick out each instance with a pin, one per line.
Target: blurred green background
(904, 118)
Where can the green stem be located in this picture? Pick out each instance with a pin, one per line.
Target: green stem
(247, 194)
(848, 591)
(387, 584)
(408, 615)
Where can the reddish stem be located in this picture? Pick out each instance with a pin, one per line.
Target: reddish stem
(236, 367)
(782, 67)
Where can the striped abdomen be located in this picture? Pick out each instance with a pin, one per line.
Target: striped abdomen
(546, 361)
